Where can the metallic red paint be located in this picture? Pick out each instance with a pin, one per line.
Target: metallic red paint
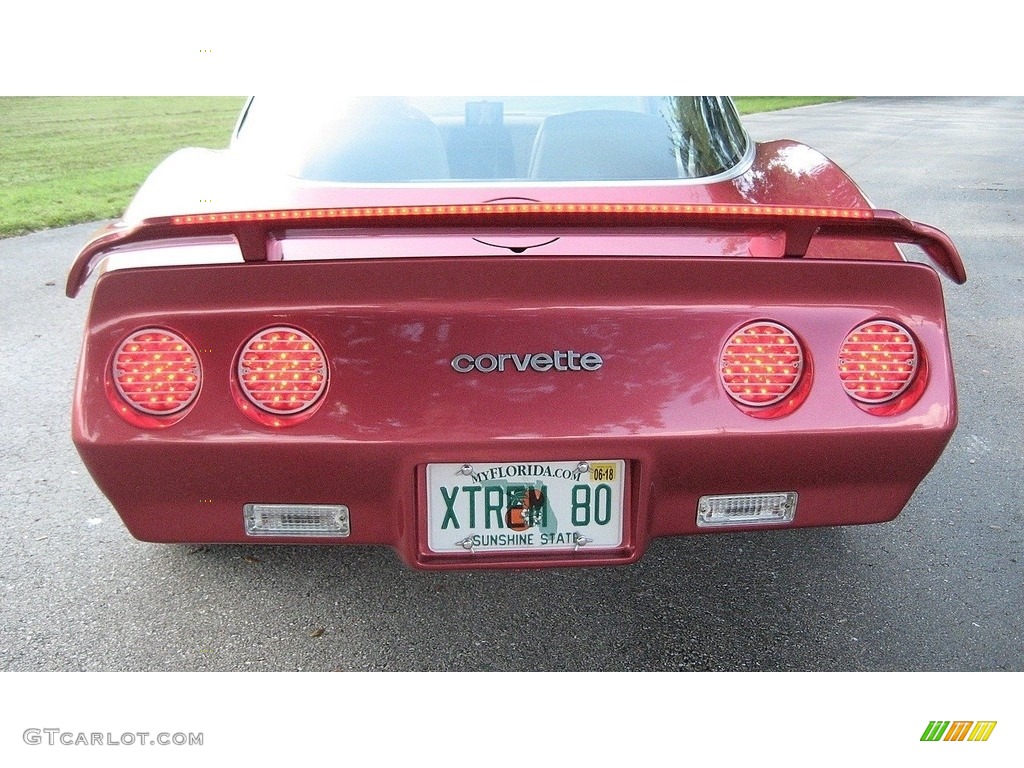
(392, 299)
(390, 329)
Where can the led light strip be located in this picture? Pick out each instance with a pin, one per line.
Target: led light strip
(523, 208)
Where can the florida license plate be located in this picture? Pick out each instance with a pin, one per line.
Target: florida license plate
(555, 505)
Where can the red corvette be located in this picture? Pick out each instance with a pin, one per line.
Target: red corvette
(508, 332)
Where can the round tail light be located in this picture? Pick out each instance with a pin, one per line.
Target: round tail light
(878, 362)
(156, 372)
(282, 371)
(761, 364)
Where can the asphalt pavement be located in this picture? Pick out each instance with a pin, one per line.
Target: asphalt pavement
(940, 588)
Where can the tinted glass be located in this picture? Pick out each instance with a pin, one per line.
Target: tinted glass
(537, 139)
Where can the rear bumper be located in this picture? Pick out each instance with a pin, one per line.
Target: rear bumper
(195, 491)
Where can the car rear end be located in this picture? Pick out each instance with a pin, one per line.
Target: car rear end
(508, 333)
(512, 411)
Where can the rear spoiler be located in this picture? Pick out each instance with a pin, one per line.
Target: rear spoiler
(254, 230)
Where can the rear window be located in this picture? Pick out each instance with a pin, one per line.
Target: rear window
(498, 138)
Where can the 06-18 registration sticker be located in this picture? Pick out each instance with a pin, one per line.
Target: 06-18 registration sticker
(560, 505)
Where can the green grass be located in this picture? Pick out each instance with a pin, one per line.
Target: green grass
(751, 104)
(65, 160)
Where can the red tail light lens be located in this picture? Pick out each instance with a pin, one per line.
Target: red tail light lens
(878, 362)
(282, 371)
(761, 364)
(156, 372)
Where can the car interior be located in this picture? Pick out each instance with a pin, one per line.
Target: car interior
(585, 145)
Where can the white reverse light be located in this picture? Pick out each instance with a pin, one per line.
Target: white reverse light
(296, 520)
(746, 509)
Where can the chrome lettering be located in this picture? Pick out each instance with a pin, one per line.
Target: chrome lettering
(541, 362)
(459, 360)
(492, 363)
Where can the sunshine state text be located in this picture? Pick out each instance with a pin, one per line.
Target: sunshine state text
(523, 539)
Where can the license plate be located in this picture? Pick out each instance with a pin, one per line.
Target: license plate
(525, 506)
